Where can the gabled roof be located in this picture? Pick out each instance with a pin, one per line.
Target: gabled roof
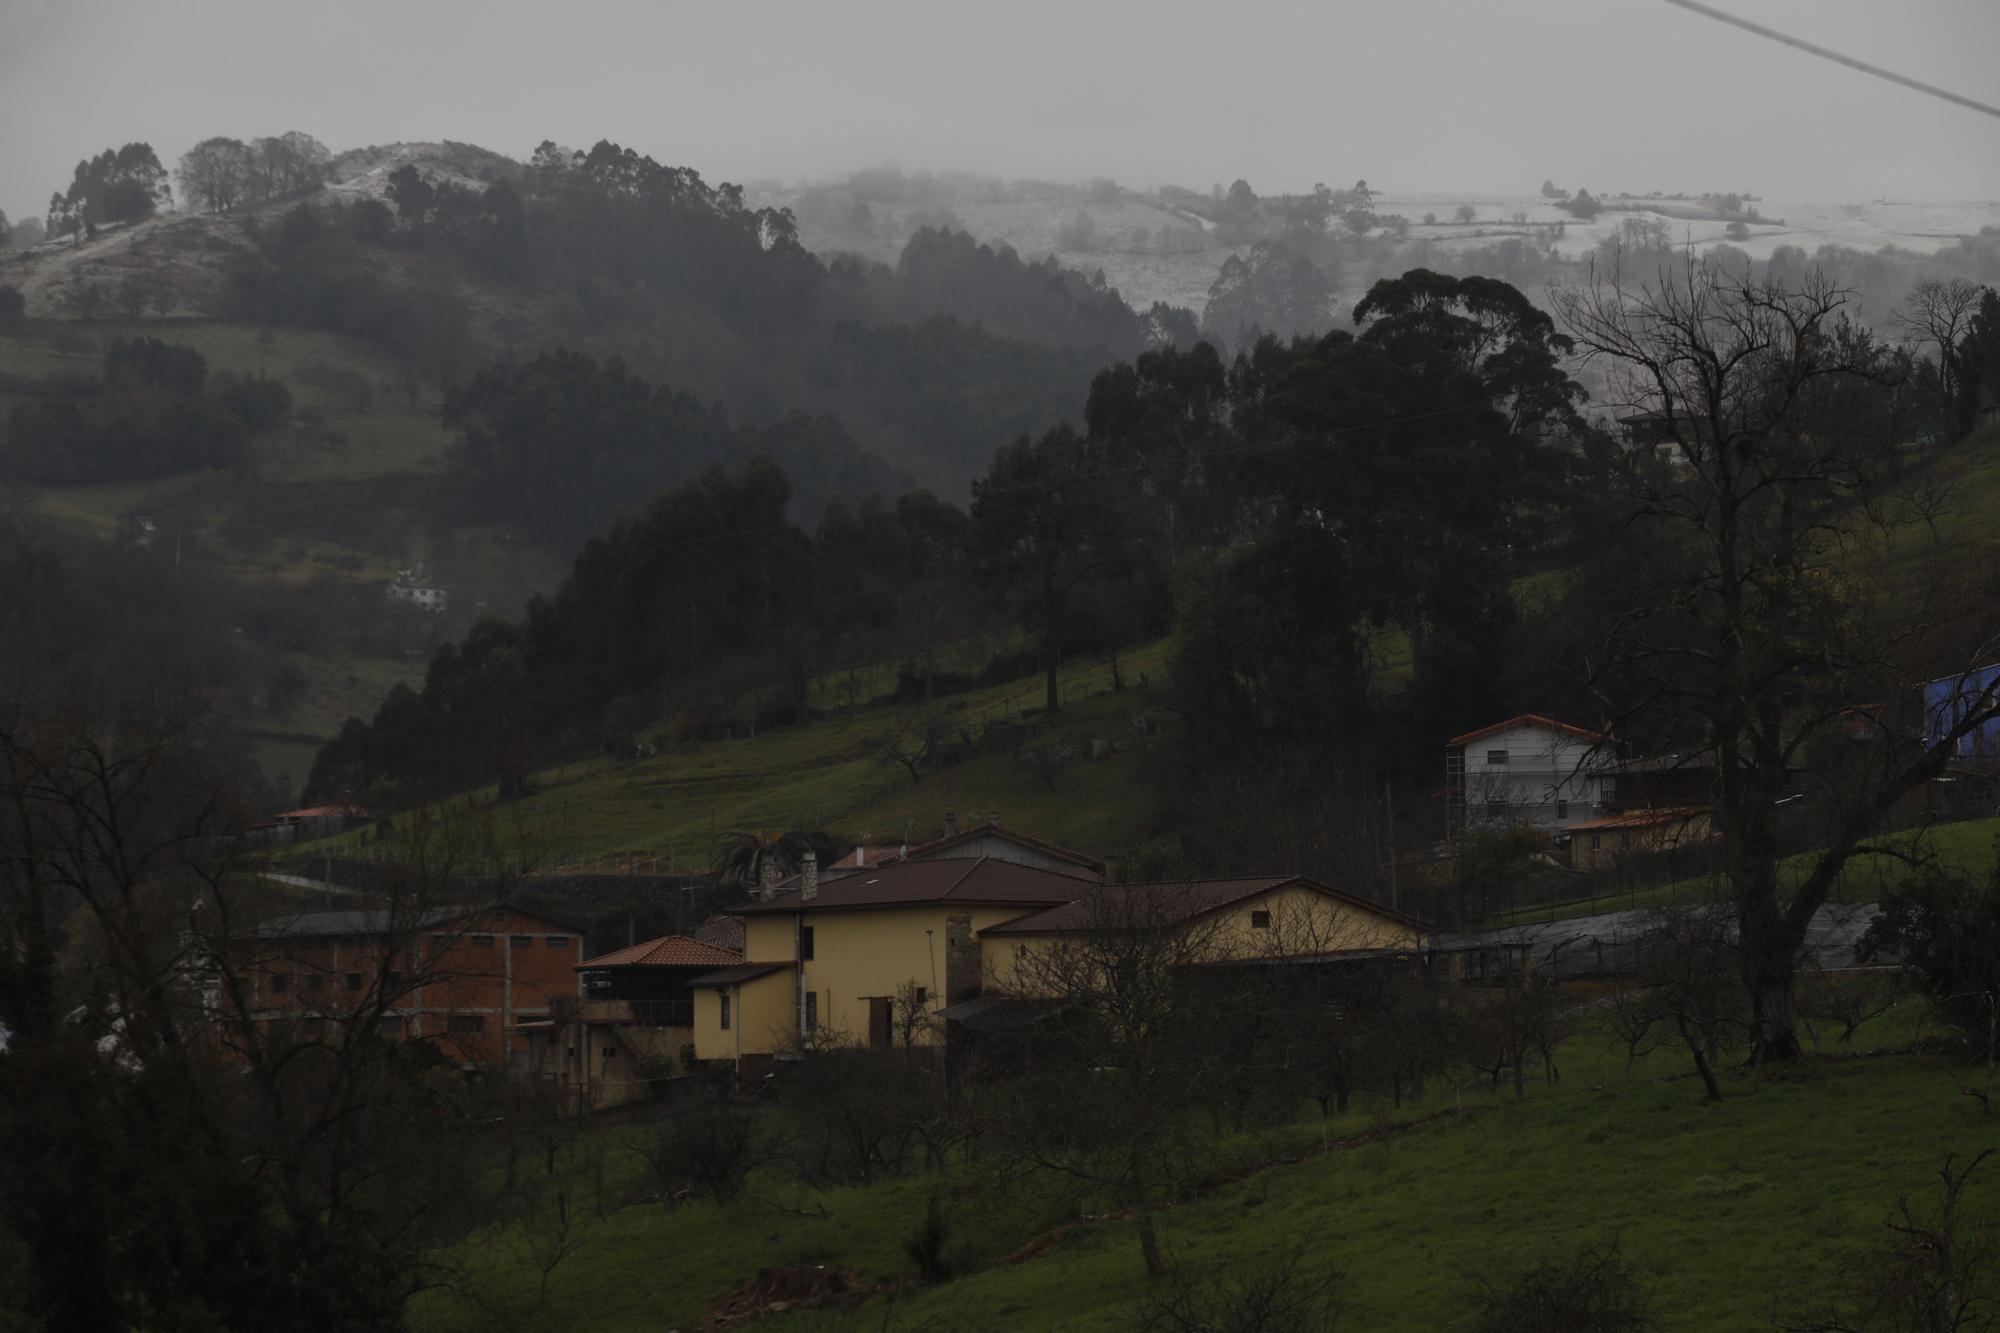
(947, 880)
(941, 848)
(1526, 720)
(666, 951)
(1178, 901)
(723, 931)
(729, 976)
(992, 829)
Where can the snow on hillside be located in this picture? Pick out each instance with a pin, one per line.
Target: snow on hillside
(1153, 250)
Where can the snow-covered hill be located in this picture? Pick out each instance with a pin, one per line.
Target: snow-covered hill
(1155, 248)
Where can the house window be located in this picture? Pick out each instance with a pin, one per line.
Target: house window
(1496, 757)
(354, 981)
(391, 1025)
(392, 978)
(610, 1051)
(556, 941)
(1562, 809)
(1596, 842)
(922, 995)
(1496, 808)
(725, 1011)
(464, 1025)
(521, 941)
(1624, 841)
(280, 982)
(1260, 921)
(312, 981)
(482, 941)
(312, 1027)
(812, 1011)
(806, 943)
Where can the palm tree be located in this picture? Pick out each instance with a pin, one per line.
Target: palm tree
(740, 855)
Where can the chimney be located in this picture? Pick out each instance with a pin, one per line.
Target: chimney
(767, 879)
(809, 877)
(951, 823)
(860, 858)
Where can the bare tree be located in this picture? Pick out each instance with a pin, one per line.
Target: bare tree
(1937, 312)
(1741, 620)
(908, 742)
(1107, 1108)
(1938, 1273)
(1594, 1291)
(1284, 1293)
(1695, 982)
(320, 1114)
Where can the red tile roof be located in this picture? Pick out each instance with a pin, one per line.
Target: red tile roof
(944, 880)
(666, 951)
(1638, 819)
(1526, 720)
(1175, 902)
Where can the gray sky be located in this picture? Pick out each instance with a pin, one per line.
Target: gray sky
(1412, 94)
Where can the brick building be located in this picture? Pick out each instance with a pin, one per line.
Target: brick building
(463, 978)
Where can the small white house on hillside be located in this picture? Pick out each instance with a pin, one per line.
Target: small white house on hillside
(1529, 770)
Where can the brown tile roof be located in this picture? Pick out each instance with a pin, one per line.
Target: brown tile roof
(666, 951)
(944, 880)
(721, 930)
(729, 976)
(1526, 720)
(1178, 901)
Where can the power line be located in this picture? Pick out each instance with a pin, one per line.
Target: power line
(1813, 48)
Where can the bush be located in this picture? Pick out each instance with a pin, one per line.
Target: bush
(13, 307)
(1594, 1292)
(1276, 1297)
(1947, 931)
(926, 1246)
(707, 1152)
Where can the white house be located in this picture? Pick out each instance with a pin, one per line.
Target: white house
(1528, 770)
(412, 587)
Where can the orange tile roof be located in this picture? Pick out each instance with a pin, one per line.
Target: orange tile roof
(1527, 720)
(666, 951)
(1637, 819)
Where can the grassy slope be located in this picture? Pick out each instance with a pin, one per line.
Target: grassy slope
(1721, 1207)
(823, 774)
(340, 495)
(1965, 847)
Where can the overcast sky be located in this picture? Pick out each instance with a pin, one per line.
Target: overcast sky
(1412, 94)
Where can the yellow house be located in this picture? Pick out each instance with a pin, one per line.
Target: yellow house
(1220, 921)
(831, 960)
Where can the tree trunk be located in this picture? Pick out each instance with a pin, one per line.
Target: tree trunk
(1774, 1036)
(1142, 1215)
(1051, 636)
(1701, 1064)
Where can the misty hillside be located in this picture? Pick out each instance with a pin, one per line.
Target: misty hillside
(1169, 245)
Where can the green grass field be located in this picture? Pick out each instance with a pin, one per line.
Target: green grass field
(1966, 847)
(826, 775)
(1725, 1209)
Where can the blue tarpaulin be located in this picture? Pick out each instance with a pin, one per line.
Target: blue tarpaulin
(1949, 700)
